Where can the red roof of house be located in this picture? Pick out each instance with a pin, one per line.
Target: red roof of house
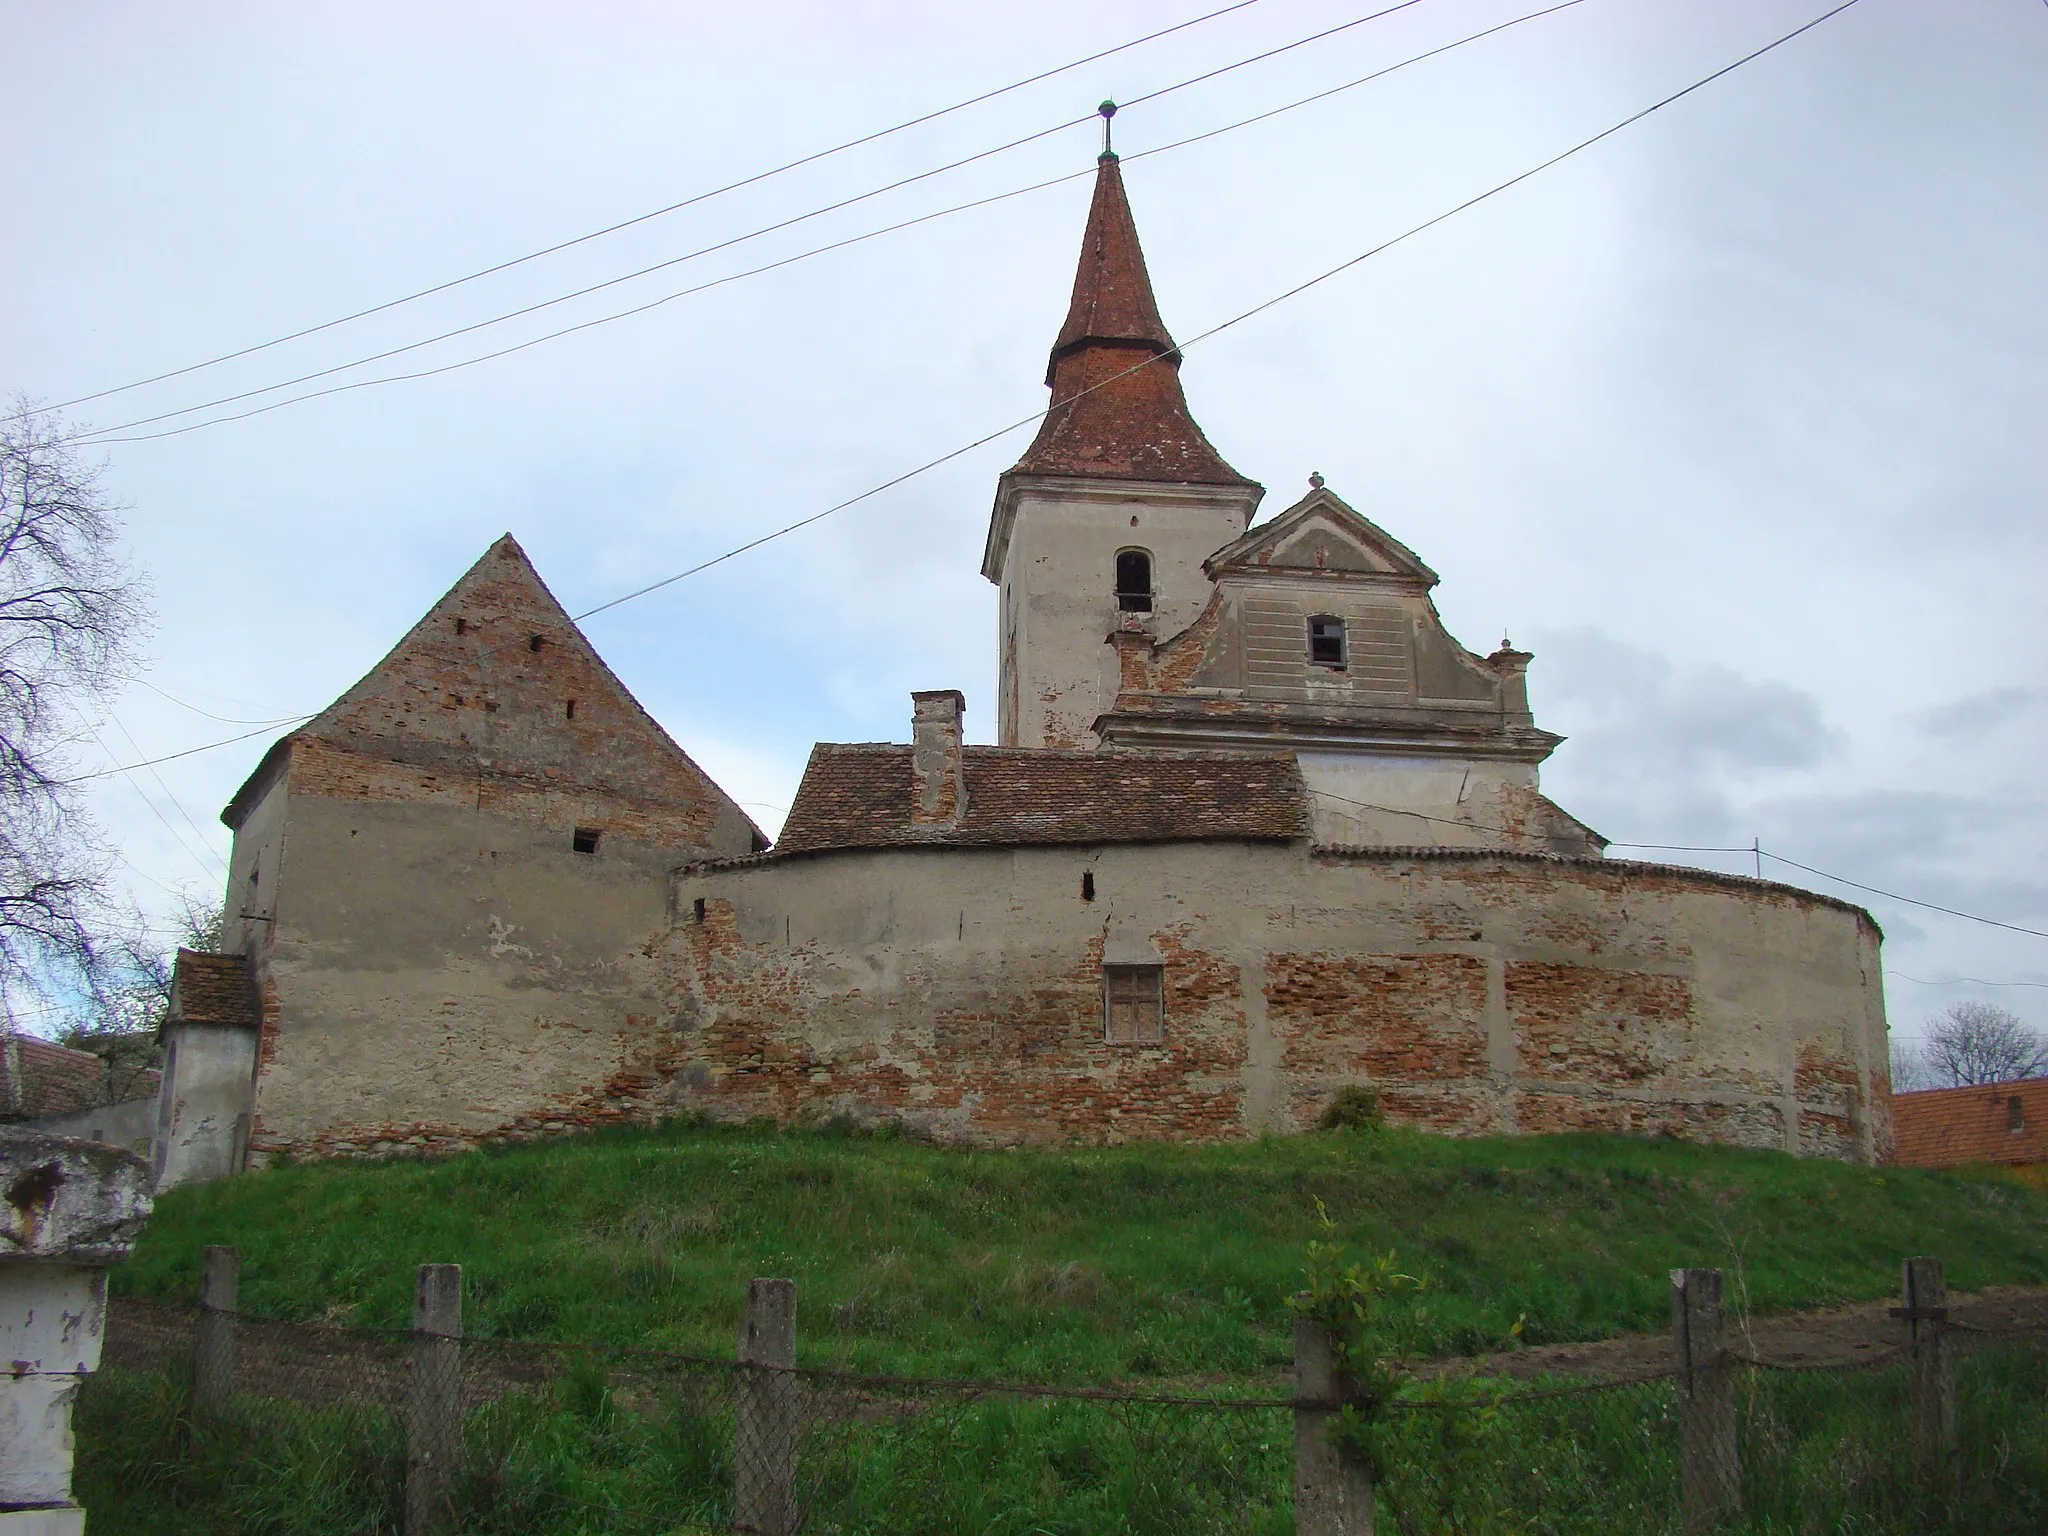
(39, 1077)
(1994, 1123)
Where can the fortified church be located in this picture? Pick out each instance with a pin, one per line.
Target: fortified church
(1258, 828)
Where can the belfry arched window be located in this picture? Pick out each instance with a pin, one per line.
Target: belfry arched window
(1134, 581)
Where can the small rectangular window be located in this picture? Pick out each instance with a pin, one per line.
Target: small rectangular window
(1133, 1004)
(2015, 1114)
(585, 839)
(1326, 642)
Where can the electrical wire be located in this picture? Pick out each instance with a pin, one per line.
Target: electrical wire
(612, 229)
(1990, 922)
(177, 804)
(209, 714)
(1213, 331)
(157, 811)
(1962, 981)
(172, 757)
(1235, 320)
(101, 435)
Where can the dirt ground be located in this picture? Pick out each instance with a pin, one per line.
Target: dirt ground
(1835, 1337)
(319, 1364)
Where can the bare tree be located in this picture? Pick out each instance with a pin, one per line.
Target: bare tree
(71, 615)
(136, 961)
(1972, 1043)
(1910, 1071)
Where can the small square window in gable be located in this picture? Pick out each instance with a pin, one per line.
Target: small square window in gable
(585, 839)
(1326, 642)
(1133, 1004)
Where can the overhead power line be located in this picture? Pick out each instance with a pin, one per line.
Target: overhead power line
(172, 757)
(1961, 981)
(1235, 320)
(611, 229)
(1754, 848)
(1196, 340)
(1990, 922)
(99, 436)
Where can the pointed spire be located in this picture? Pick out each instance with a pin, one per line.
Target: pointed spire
(1116, 412)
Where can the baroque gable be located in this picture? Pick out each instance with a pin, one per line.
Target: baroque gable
(1321, 635)
(1323, 536)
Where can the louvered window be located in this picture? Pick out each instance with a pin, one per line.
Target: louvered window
(1133, 1003)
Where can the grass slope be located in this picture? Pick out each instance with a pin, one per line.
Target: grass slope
(1079, 1265)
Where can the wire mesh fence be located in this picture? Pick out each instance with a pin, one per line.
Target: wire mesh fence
(207, 1421)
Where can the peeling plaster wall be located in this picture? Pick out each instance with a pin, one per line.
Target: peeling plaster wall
(440, 977)
(202, 1125)
(1058, 580)
(1416, 801)
(959, 989)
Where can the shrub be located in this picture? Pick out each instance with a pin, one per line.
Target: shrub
(1355, 1108)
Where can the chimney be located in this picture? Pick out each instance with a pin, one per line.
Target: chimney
(938, 765)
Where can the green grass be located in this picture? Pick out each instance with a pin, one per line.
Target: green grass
(1822, 1453)
(1151, 1261)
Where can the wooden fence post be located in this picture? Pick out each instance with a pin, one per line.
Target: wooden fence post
(433, 1417)
(1332, 1491)
(213, 1355)
(766, 1430)
(1711, 1461)
(1925, 1314)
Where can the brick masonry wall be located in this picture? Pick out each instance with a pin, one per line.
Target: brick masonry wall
(440, 963)
(959, 991)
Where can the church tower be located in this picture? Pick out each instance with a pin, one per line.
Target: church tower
(1102, 526)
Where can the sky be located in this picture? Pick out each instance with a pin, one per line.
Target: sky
(1733, 419)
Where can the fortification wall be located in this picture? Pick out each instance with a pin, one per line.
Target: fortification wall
(445, 968)
(960, 990)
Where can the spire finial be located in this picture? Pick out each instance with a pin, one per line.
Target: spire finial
(1108, 110)
(1315, 479)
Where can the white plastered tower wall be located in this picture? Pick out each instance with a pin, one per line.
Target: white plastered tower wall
(1053, 547)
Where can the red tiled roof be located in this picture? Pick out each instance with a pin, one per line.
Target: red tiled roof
(860, 796)
(1107, 420)
(213, 989)
(39, 1077)
(1947, 1127)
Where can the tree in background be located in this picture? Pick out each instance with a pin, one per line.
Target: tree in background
(1969, 1044)
(134, 990)
(71, 616)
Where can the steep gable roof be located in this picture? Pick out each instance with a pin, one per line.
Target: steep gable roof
(1324, 533)
(498, 676)
(861, 795)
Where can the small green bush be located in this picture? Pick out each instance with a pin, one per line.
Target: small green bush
(1355, 1108)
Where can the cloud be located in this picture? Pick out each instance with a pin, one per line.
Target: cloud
(1643, 713)
(1979, 713)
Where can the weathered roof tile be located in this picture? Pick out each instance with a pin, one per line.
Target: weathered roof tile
(1948, 1127)
(213, 989)
(860, 796)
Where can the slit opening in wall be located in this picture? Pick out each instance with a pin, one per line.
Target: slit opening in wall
(1088, 885)
(535, 642)
(697, 908)
(585, 839)
(570, 709)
